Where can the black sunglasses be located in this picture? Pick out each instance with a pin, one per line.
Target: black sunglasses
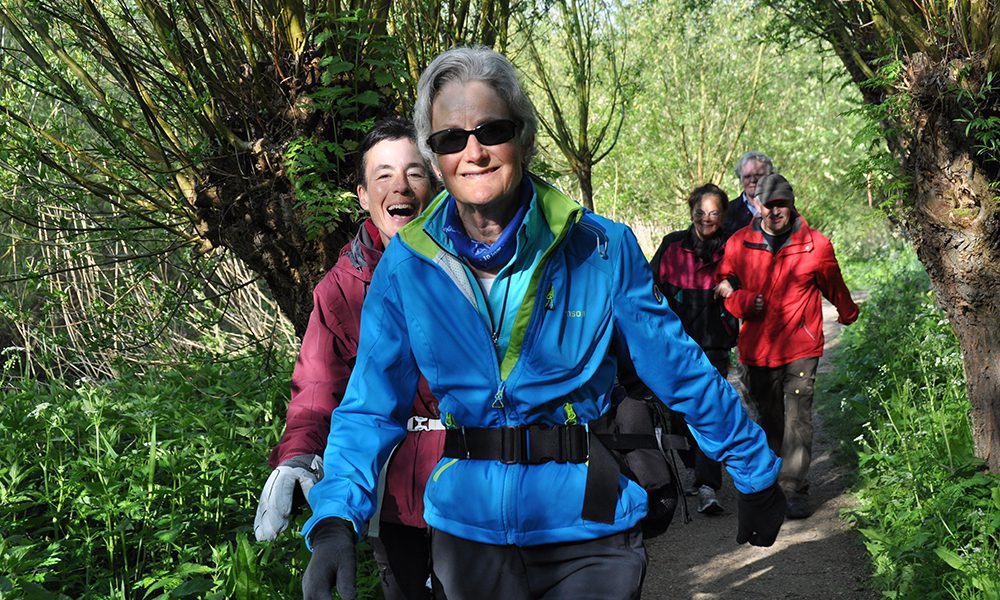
(449, 141)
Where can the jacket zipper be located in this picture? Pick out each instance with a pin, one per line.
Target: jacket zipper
(501, 386)
(802, 324)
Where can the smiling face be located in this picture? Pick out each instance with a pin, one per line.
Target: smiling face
(479, 176)
(752, 172)
(397, 185)
(776, 216)
(707, 216)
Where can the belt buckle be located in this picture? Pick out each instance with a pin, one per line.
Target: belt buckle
(513, 445)
(418, 423)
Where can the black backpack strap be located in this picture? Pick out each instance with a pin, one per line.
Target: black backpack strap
(600, 496)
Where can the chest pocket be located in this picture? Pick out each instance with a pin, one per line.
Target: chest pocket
(572, 324)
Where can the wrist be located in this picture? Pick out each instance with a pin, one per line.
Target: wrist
(332, 528)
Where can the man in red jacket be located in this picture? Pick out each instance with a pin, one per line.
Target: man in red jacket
(773, 276)
(395, 187)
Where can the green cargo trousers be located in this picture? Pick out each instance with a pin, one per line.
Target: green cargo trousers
(784, 397)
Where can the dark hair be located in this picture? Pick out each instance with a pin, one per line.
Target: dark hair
(392, 128)
(709, 189)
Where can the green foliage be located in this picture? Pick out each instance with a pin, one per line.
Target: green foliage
(981, 117)
(323, 204)
(145, 486)
(359, 72)
(929, 516)
(706, 98)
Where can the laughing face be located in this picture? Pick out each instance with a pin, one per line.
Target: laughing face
(397, 185)
(707, 215)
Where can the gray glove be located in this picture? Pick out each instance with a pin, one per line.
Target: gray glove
(277, 500)
(333, 562)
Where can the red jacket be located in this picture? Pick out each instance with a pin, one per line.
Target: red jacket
(792, 281)
(326, 359)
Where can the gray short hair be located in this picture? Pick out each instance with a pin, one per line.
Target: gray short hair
(465, 64)
(757, 156)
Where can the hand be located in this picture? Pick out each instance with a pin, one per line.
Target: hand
(724, 289)
(277, 499)
(334, 561)
(758, 303)
(760, 516)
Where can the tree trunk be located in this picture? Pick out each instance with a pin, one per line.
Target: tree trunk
(246, 202)
(264, 230)
(584, 173)
(954, 226)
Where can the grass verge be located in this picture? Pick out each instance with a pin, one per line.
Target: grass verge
(928, 512)
(146, 486)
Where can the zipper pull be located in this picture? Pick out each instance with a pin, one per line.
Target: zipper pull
(570, 414)
(550, 297)
(498, 398)
(449, 421)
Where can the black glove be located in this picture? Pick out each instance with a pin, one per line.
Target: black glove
(760, 516)
(334, 560)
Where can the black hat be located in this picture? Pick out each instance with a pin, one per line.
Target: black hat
(774, 187)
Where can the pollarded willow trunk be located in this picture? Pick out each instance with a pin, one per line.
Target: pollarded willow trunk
(954, 226)
(262, 226)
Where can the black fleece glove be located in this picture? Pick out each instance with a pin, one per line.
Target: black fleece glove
(334, 561)
(760, 516)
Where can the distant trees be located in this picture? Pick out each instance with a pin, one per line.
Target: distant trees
(577, 57)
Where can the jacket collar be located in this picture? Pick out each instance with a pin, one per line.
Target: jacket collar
(690, 243)
(801, 235)
(363, 252)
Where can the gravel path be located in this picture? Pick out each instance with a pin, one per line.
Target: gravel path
(816, 558)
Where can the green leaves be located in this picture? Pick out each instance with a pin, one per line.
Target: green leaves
(141, 485)
(359, 72)
(929, 515)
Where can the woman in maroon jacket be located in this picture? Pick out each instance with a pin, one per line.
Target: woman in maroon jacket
(396, 185)
(684, 269)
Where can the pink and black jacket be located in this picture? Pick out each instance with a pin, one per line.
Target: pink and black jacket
(326, 359)
(685, 273)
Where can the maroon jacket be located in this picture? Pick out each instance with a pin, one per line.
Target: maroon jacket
(686, 276)
(329, 349)
(794, 282)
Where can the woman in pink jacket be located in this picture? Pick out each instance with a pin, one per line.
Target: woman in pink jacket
(395, 186)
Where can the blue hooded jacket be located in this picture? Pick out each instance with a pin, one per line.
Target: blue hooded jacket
(591, 287)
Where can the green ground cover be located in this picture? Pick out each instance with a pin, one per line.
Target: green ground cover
(145, 486)
(928, 513)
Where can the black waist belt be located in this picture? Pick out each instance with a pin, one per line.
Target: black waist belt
(527, 444)
(536, 444)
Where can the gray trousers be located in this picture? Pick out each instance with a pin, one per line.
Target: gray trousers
(784, 397)
(608, 568)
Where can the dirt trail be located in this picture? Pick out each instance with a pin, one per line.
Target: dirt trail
(819, 557)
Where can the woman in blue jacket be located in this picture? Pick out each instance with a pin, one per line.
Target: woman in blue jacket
(516, 303)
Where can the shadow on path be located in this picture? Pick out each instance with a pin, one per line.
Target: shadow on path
(819, 557)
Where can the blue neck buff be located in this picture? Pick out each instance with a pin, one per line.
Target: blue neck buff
(487, 256)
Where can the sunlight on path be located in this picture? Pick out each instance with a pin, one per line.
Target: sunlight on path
(818, 557)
